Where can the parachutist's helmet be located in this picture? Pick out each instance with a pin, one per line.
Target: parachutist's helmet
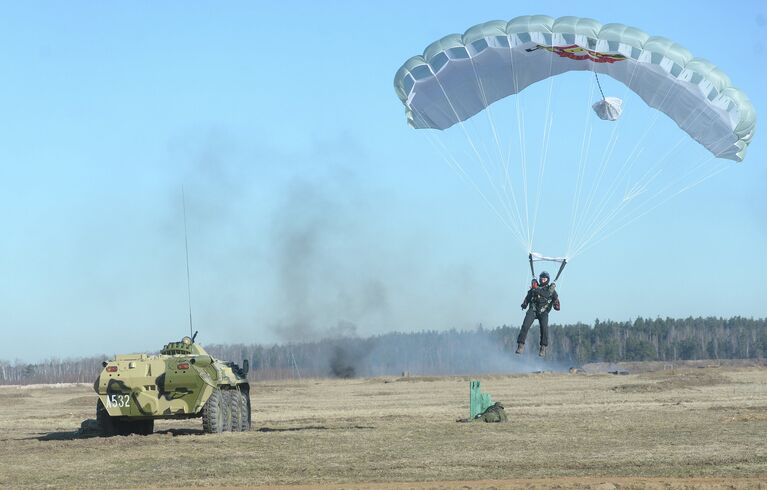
(544, 275)
(534, 283)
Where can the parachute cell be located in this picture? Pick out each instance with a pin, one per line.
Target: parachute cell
(458, 76)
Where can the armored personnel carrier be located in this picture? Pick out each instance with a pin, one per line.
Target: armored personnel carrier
(183, 381)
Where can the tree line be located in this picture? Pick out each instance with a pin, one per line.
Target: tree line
(480, 350)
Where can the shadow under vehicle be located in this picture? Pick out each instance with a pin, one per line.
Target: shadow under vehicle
(181, 382)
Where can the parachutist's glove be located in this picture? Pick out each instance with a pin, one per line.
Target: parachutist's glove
(556, 304)
(523, 305)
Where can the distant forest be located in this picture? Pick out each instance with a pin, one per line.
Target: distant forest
(459, 352)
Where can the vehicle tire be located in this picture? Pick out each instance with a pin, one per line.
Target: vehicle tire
(231, 409)
(213, 413)
(235, 408)
(244, 399)
(109, 426)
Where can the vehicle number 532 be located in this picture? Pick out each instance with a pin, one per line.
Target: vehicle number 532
(120, 401)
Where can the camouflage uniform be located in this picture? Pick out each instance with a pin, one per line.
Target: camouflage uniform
(539, 302)
(494, 413)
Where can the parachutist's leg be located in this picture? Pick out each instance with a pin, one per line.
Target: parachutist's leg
(526, 324)
(543, 320)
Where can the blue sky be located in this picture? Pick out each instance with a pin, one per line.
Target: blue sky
(311, 205)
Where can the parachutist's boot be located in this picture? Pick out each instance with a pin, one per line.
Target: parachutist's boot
(542, 352)
(520, 348)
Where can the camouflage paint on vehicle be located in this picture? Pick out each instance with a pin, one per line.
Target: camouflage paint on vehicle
(176, 384)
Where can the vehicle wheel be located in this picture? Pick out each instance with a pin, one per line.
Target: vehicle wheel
(235, 409)
(240, 403)
(109, 426)
(231, 412)
(213, 413)
(244, 410)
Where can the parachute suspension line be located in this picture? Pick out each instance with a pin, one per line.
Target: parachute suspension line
(625, 167)
(682, 139)
(547, 124)
(584, 153)
(688, 172)
(454, 164)
(504, 203)
(523, 149)
(602, 208)
(597, 222)
(653, 204)
(606, 158)
(598, 226)
(470, 140)
(541, 171)
(522, 139)
(583, 219)
(510, 200)
(509, 183)
(585, 149)
(578, 218)
(709, 175)
(631, 220)
(496, 190)
(581, 166)
(600, 85)
(604, 161)
(650, 127)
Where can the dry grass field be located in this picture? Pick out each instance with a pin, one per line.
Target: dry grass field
(671, 429)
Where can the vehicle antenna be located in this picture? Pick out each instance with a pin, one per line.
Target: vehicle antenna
(186, 249)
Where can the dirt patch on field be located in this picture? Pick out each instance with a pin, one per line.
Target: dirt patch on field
(15, 395)
(654, 366)
(750, 414)
(82, 401)
(673, 380)
(416, 379)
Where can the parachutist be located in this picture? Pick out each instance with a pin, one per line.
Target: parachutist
(539, 301)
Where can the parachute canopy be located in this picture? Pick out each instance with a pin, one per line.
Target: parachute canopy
(460, 75)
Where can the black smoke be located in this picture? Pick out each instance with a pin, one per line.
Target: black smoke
(342, 364)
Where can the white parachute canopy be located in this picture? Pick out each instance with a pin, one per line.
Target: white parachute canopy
(460, 75)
